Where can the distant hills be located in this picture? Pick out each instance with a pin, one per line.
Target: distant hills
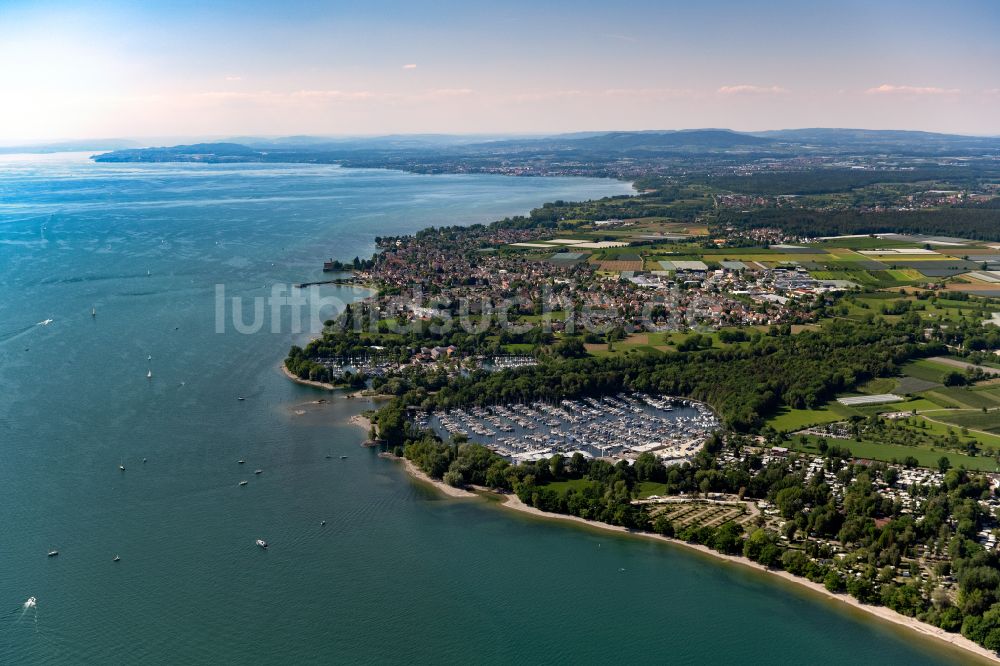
(887, 139)
(442, 152)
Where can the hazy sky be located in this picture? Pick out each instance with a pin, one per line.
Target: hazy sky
(220, 68)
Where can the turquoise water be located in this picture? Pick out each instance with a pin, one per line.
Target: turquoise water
(397, 574)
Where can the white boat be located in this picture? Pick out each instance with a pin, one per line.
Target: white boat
(116, 559)
(122, 466)
(31, 602)
(53, 553)
(149, 374)
(243, 483)
(93, 312)
(261, 543)
(258, 471)
(241, 461)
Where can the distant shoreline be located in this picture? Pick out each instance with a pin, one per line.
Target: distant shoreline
(513, 503)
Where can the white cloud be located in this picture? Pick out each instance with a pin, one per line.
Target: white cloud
(410, 66)
(887, 89)
(649, 93)
(332, 94)
(234, 78)
(747, 89)
(622, 38)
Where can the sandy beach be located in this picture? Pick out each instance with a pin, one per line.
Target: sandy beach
(513, 503)
(361, 421)
(443, 487)
(307, 382)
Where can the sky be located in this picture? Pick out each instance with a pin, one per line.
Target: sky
(199, 69)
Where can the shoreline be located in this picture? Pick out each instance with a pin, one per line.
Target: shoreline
(361, 421)
(305, 382)
(512, 502)
(442, 487)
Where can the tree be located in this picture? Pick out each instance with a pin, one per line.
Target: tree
(649, 468)
(943, 464)
(954, 378)
(571, 347)
(832, 581)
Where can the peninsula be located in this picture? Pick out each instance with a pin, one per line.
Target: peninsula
(822, 405)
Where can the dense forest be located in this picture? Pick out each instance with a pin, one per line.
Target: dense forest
(975, 222)
(742, 383)
(823, 181)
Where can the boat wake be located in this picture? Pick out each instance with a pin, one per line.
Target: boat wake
(7, 336)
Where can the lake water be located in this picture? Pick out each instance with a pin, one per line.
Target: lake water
(397, 574)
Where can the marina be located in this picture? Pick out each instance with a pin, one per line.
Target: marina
(619, 427)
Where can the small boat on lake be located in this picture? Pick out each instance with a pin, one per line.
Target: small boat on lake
(53, 553)
(262, 543)
(243, 483)
(116, 559)
(258, 471)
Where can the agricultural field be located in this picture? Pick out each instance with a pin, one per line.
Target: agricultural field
(926, 370)
(925, 456)
(964, 398)
(975, 420)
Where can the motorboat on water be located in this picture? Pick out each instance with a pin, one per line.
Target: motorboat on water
(243, 483)
(116, 559)
(241, 398)
(258, 471)
(261, 543)
(241, 461)
(53, 553)
(31, 602)
(343, 457)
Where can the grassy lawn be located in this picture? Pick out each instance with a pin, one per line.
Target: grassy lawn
(945, 429)
(562, 486)
(790, 420)
(878, 385)
(649, 488)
